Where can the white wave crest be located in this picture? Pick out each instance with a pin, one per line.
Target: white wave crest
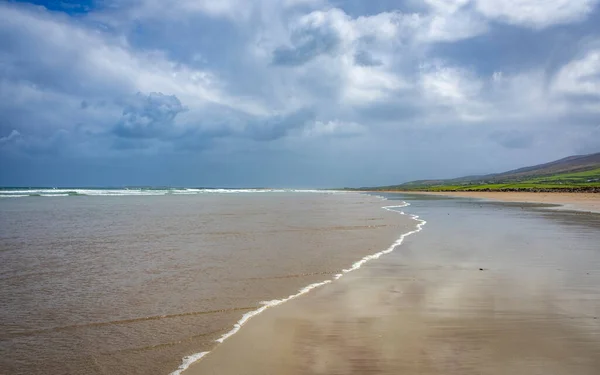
(187, 362)
(21, 193)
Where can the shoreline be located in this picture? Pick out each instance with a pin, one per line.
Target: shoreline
(224, 254)
(441, 297)
(584, 202)
(194, 359)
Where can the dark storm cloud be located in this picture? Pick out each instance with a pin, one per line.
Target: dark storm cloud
(55, 144)
(511, 49)
(149, 116)
(513, 139)
(276, 127)
(400, 89)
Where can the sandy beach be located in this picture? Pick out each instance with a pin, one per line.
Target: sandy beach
(575, 201)
(213, 187)
(483, 289)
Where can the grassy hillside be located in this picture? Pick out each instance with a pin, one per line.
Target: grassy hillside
(575, 173)
(563, 181)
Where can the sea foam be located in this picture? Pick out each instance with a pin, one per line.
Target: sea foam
(21, 193)
(189, 360)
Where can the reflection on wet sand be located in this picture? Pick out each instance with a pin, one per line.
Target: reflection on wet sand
(518, 295)
(391, 325)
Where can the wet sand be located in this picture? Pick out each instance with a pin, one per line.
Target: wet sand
(483, 289)
(575, 201)
(131, 285)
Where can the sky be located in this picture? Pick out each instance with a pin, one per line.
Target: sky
(292, 93)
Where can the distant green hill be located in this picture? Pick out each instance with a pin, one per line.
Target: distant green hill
(575, 173)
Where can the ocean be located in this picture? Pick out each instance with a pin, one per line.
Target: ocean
(145, 281)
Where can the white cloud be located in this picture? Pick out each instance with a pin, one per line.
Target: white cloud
(536, 13)
(382, 26)
(447, 6)
(326, 43)
(579, 77)
(457, 88)
(85, 62)
(450, 20)
(518, 97)
(323, 46)
(332, 128)
(459, 19)
(368, 84)
(292, 3)
(452, 27)
(14, 134)
(232, 9)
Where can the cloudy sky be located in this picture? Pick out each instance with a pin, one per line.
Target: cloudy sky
(297, 93)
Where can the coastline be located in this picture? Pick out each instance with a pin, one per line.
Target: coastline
(189, 362)
(585, 202)
(446, 303)
(177, 285)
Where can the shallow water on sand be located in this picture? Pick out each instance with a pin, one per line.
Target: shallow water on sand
(130, 285)
(485, 288)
